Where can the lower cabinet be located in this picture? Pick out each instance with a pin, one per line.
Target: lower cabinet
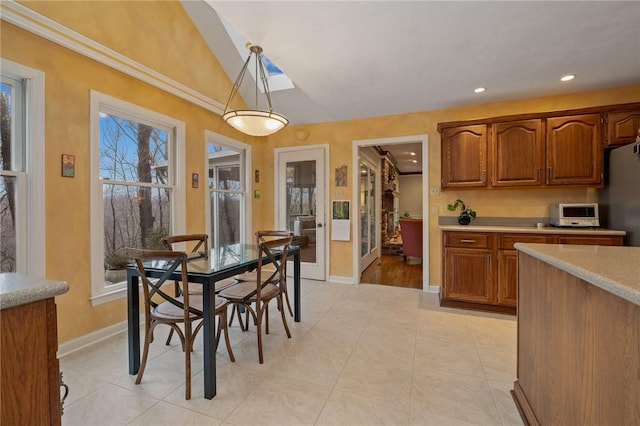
(480, 269)
(30, 374)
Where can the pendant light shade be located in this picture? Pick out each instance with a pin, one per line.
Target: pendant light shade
(254, 122)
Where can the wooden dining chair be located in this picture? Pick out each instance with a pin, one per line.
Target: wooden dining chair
(198, 245)
(164, 308)
(256, 295)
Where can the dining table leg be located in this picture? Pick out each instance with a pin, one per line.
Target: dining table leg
(133, 321)
(296, 287)
(208, 336)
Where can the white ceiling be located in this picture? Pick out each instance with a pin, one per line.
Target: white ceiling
(351, 60)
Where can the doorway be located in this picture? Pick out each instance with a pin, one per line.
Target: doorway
(301, 204)
(360, 146)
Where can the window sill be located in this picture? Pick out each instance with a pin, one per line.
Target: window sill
(109, 296)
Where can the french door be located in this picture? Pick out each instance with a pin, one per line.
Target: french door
(300, 205)
(369, 214)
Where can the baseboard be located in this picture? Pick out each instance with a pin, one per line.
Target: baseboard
(92, 338)
(341, 280)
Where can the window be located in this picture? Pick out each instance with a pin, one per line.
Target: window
(226, 195)
(22, 221)
(138, 195)
(12, 170)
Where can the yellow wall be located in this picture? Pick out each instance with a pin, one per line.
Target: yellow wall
(160, 35)
(69, 77)
(493, 203)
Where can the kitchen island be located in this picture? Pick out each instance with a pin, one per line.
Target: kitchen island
(578, 334)
(29, 372)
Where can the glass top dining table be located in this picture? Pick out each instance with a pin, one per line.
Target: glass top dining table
(223, 262)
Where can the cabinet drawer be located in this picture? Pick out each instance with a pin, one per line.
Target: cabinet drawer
(591, 240)
(467, 239)
(507, 241)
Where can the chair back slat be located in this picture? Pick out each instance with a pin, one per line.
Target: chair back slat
(153, 287)
(199, 251)
(274, 246)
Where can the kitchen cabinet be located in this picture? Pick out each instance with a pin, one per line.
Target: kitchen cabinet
(480, 269)
(464, 157)
(30, 372)
(507, 281)
(621, 127)
(468, 268)
(517, 149)
(574, 152)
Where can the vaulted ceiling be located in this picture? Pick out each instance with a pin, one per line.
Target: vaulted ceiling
(350, 60)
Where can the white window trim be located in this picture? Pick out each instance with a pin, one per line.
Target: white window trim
(99, 293)
(32, 249)
(214, 138)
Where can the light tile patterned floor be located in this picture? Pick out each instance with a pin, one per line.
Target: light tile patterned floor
(363, 355)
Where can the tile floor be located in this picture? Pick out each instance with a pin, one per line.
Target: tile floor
(363, 355)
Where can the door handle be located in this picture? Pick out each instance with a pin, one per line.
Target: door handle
(319, 225)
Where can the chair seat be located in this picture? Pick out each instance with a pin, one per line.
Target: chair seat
(245, 290)
(168, 310)
(247, 276)
(195, 288)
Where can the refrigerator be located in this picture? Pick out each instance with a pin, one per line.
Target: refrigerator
(620, 200)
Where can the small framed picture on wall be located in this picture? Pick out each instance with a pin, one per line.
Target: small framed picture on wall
(68, 165)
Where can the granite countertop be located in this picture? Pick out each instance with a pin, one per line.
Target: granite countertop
(16, 289)
(615, 269)
(532, 230)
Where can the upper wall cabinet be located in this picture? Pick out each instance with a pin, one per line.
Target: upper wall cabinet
(622, 127)
(574, 150)
(517, 153)
(464, 157)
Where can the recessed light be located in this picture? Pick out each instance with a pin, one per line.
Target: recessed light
(479, 90)
(412, 153)
(568, 77)
(414, 161)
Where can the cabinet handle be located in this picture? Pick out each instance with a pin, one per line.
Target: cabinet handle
(484, 176)
(64, 386)
(538, 175)
(489, 260)
(468, 241)
(549, 175)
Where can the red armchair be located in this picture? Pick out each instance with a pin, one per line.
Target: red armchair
(411, 231)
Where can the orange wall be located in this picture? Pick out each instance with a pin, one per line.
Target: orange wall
(160, 35)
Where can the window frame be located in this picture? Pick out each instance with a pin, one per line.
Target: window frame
(244, 150)
(30, 207)
(101, 102)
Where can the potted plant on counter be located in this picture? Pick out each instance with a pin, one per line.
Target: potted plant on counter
(466, 214)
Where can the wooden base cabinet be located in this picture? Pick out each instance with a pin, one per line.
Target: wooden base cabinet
(30, 373)
(480, 270)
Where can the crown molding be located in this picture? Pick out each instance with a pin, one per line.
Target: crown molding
(51, 30)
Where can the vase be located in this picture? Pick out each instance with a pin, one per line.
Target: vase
(464, 219)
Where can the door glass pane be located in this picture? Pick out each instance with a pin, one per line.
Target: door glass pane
(372, 211)
(364, 210)
(301, 206)
(7, 224)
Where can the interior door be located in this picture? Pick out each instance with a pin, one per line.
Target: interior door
(301, 206)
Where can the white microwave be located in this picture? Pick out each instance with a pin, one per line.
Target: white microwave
(574, 215)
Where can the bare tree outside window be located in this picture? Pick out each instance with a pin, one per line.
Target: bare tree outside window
(7, 185)
(134, 168)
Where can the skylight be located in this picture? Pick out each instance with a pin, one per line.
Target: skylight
(278, 80)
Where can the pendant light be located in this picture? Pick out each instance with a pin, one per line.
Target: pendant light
(254, 122)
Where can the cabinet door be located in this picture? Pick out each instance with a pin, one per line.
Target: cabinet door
(591, 240)
(467, 275)
(464, 157)
(517, 149)
(574, 150)
(507, 277)
(622, 127)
